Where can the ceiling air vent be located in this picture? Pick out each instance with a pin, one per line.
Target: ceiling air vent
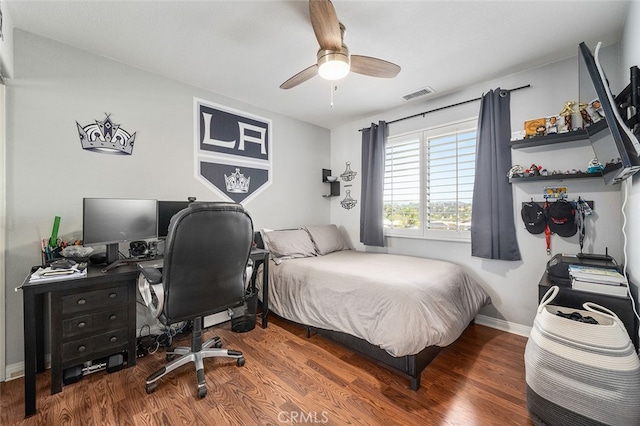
(424, 91)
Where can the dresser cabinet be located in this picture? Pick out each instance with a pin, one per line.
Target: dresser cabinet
(90, 323)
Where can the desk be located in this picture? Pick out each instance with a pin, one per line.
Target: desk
(571, 298)
(91, 318)
(262, 256)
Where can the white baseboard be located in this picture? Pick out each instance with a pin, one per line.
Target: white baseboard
(509, 327)
(15, 371)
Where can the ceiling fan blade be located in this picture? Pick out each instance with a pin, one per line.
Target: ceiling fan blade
(373, 67)
(325, 24)
(301, 77)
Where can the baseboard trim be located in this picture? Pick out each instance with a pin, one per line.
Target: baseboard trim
(509, 327)
(15, 371)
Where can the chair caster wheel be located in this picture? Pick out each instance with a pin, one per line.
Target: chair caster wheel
(151, 387)
(171, 357)
(218, 344)
(202, 392)
(240, 362)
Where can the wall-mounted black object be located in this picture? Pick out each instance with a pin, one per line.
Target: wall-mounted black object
(614, 146)
(629, 99)
(334, 186)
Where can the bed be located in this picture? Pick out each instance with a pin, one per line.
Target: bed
(398, 310)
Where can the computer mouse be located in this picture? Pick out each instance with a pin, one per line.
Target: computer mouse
(62, 264)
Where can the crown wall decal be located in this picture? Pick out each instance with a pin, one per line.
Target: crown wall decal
(106, 136)
(237, 182)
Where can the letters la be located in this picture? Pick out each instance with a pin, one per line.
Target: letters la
(233, 151)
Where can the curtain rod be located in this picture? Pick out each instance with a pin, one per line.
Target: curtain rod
(422, 114)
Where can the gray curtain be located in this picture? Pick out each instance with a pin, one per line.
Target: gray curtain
(493, 231)
(374, 140)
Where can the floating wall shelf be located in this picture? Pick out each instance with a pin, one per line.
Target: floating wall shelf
(334, 187)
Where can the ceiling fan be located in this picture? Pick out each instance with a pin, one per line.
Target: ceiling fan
(333, 59)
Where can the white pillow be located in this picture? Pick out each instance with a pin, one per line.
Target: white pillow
(288, 244)
(327, 239)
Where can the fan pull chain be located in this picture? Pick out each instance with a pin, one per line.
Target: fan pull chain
(331, 93)
(332, 88)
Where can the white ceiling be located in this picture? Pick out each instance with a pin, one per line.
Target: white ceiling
(246, 49)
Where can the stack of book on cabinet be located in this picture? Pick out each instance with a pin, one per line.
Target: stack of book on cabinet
(598, 280)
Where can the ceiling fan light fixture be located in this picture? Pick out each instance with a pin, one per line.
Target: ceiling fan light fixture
(333, 64)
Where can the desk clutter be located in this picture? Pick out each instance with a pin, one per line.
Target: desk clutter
(59, 270)
(598, 280)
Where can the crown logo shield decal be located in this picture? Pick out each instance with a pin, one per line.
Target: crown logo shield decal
(232, 151)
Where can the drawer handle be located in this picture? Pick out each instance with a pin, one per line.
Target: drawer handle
(82, 348)
(81, 324)
(82, 301)
(113, 339)
(113, 295)
(112, 317)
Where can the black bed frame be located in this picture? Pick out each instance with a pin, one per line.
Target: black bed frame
(409, 366)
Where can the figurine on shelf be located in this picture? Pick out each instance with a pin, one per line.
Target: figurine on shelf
(516, 171)
(533, 170)
(586, 118)
(567, 112)
(595, 166)
(552, 125)
(595, 110)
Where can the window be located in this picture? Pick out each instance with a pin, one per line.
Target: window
(428, 182)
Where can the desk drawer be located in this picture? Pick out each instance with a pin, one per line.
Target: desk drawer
(83, 348)
(92, 300)
(110, 319)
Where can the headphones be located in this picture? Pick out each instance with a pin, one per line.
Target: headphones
(138, 248)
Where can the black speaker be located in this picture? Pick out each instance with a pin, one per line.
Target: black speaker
(115, 363)
(72, 374)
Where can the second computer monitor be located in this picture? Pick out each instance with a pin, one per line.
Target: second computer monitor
(166, 210)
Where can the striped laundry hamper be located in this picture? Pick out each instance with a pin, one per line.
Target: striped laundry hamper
(579, 373)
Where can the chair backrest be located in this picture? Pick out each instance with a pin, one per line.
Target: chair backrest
(205, 256)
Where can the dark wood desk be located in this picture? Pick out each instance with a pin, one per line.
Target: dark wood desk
(91, 318)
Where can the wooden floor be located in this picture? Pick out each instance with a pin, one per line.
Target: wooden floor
(291, 380)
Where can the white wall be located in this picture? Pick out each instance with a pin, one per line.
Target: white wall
(513, 286)
(630, 55)
(48, 173)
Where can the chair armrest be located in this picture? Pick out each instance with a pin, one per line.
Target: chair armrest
(153, 275)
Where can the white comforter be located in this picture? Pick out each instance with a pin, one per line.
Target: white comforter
(400, 303)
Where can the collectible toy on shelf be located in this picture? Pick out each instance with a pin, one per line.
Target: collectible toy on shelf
(595, 166)
(533, 170)
(516, 171)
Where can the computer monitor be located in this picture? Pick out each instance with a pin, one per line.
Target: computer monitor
(110, 221)
(166, 210)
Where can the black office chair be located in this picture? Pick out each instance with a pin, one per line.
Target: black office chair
(205, 271)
